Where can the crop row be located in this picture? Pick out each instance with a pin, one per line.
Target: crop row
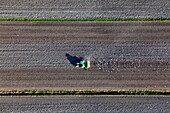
(82, 92)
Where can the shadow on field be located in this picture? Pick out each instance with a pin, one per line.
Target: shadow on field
(73, 59)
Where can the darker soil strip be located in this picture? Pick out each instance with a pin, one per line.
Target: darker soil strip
(81, 19)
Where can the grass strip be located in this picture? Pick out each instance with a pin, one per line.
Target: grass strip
(82, 92)
(82, 19)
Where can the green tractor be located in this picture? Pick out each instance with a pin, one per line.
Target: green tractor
(83, 64)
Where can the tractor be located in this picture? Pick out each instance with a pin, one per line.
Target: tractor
(83, 64)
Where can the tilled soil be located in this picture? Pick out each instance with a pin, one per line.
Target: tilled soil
(90, 104)
(124, 55)
(84, 8)
(81, 79)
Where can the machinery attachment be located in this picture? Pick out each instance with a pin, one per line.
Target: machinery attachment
(83, 64)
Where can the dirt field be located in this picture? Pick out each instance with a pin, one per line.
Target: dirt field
(124, 55)
(90, 104)
(84, 8)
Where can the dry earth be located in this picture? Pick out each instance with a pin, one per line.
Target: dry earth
(90, 104)
(84, 8)
(34, 55)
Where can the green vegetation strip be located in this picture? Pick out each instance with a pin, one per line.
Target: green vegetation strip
(82, 92)
(81, 19)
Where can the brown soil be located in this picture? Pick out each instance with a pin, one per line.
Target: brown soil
(143, 77)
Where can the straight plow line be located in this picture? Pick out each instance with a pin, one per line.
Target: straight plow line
(82, 19)
(44, 92)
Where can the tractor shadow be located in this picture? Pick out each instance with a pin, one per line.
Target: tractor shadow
(73, 59)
